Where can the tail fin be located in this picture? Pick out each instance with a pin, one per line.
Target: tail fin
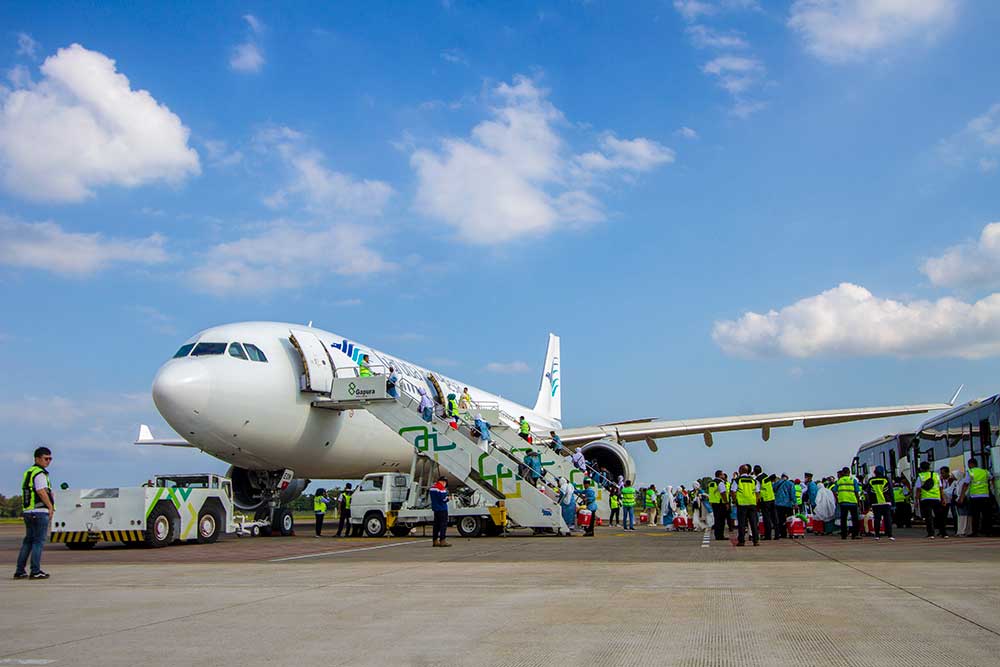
(549, 403)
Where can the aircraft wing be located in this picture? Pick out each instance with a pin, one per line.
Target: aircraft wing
(145, 437)
(654, 429)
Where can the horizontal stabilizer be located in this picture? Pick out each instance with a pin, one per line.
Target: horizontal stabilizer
(146, 438)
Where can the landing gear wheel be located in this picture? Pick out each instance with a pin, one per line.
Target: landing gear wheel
(400, 531)
(374, 524)
(469, 526)
(80, 546)
(159, 528)
(209, 525)
(284, 523)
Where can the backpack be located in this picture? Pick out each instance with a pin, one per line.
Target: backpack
(928, 483)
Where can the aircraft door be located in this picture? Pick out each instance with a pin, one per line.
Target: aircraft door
(317, 366)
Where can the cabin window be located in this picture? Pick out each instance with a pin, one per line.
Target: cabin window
(255, 353)
(208, 349)
(184, 351)
(236, 350)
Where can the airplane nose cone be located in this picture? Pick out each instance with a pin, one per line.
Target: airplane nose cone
(181, 391)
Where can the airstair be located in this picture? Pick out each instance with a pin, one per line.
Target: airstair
(492, 473)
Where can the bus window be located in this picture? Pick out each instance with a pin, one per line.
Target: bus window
(984, 438)
(892, 462)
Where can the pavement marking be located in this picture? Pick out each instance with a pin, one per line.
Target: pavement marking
(26, 661)
(347, 551)
(706, 539)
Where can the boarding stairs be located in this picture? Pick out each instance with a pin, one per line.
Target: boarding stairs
(491, 473)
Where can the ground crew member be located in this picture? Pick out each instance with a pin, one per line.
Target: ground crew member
(628, 506)
(784, 503)
(747, 492)
(452, 408)
(590, 501)
(929, 497)
(798, 495)
(320, 502)
(616, 504)
(345, 510)
(37, 508)
(465, 402)
(767, 508)
(976, 487)
(903, 510)
(524, 429)
(651, 504)
(881, 499)
(439, 504)
(718, 498)
(364, 370)
(847, 497)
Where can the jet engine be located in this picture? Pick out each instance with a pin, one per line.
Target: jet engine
(611, 455)
(252, 488)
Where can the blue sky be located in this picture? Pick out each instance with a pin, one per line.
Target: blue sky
(722, 206)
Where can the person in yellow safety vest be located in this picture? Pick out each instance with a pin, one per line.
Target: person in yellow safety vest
(616, 505)
(320, 503)
(976, 487)
(881, 498)
(651, 504)
(364, 369)
(929, 497)
(903, 510)
(524, 429)
(345, 510)
(451, 408)
(767, 509)
(628, 506)
(848, 490)
(747, 492)
(718, 496)
(798, 495)
(37, 508)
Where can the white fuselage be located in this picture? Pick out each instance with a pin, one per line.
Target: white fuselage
(253, 415)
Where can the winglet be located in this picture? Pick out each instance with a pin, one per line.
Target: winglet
(955, 397)
(145, 435)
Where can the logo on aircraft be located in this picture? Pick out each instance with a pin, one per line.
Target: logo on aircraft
(553, 375)
(355, 353)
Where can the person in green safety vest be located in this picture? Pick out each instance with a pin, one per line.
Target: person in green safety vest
(651, 506)
(903, 510)
(628, 506)
(320, 503)
(881, 498)
(524, 429)
(616, 503)
(364, 367)
(929, 498)
(451, 408)
(344, 508)
(746, 491)
(976, 491)
(848, 490)
(718, 498)
(767, 509)
(37, 508)
(798, 495)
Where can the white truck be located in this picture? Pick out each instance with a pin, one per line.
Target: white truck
(393, 501)
(172, 509)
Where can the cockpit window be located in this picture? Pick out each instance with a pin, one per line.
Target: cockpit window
(255, 353)
(183, 352)
(206, 349)
(236, 350)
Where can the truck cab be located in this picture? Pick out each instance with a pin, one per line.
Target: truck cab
(378, 495)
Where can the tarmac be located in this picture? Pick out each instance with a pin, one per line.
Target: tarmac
(643, 598)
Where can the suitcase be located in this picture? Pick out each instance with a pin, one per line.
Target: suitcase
(796, 527)
(643, 517)
(680, 523)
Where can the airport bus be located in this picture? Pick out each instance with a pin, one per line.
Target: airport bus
(948, 439)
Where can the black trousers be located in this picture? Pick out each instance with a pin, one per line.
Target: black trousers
(852, 511)
(904, 515)
(783, 514)
(593, 522)
(440, 524)
(746, 515)
(933, 515)
(345, 519)
(319, 524)
(770, 519)
(883, 513)
(720, 512)
(981, 512)
(615, 516)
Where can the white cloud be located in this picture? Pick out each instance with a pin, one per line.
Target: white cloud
(344, 303)
(686, 133)
(219, 154)
(255, 23)
(692, 10)
(319, 187)
(19, 76)
(978, 141)
(157, 321)
(848, 320)
(511, 367)
(454, 56)
(46, 246)
(704, 37)
(26, 46)
(82, 126)
(739, 76)
(988, 164)
(246, 57)
(851, 30)
(514, 176)
(968, 264)
(286, 256)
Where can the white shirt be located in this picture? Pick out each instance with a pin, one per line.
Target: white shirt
(41, 482)
(722, 488)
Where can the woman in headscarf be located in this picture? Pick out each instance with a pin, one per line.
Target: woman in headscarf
(567, 502)
(484, 432)
(669, 508)
(700, 508)
(426, 407)
(826, 507)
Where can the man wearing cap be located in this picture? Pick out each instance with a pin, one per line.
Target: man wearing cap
(344, 507)
(439, 503)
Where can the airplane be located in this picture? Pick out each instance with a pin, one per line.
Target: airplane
(244, 394)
